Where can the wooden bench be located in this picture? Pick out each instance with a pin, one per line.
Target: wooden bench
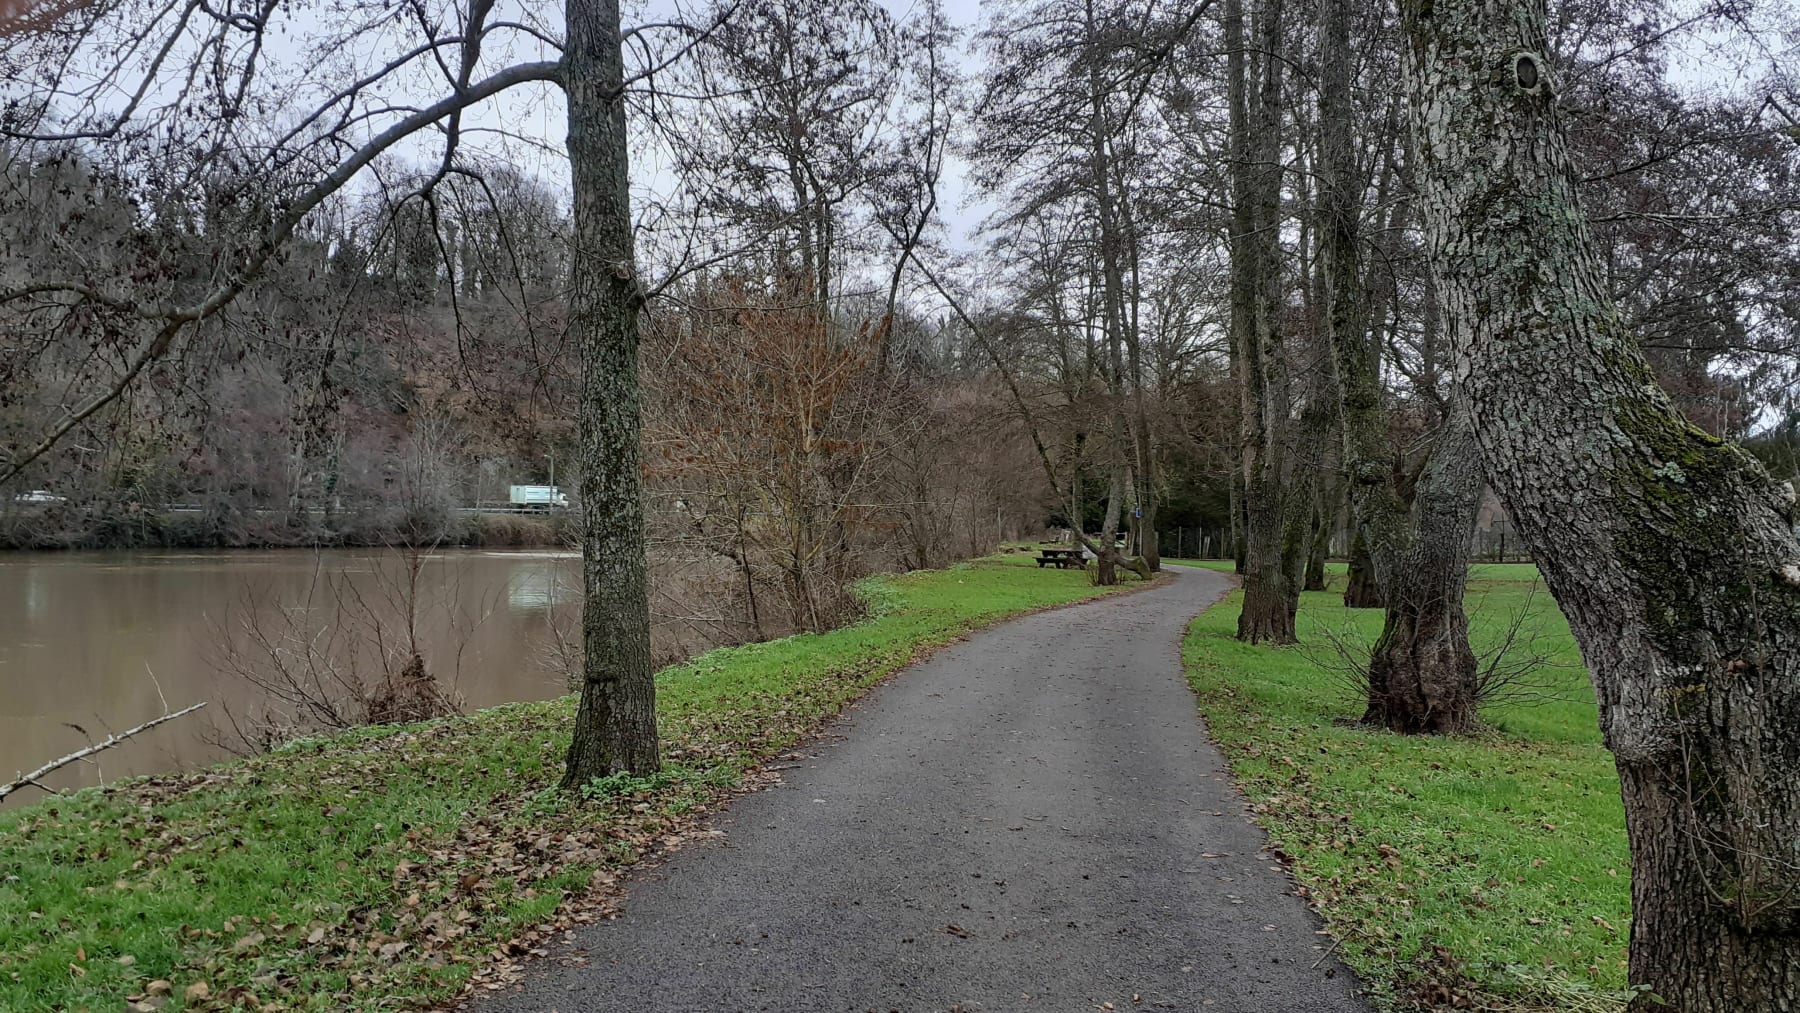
(1062, 559)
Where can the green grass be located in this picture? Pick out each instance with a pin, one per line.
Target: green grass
(1493, 865)
(385, 867)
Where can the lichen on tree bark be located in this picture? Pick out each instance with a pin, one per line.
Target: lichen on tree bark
(1663, 546)
(615, 722)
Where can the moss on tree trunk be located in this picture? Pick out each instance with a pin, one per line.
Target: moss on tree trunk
(1672, 554)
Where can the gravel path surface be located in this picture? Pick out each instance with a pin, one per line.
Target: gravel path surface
(1032, 819)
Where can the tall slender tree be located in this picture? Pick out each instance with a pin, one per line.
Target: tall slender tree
(615, 723)
(1274, 544)
(1422, 672)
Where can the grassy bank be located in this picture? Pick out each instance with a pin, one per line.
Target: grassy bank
(386, 867)
(1489, 869)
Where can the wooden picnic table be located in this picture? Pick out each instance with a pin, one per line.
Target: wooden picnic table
(1062, 559)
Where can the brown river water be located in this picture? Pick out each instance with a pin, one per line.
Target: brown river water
(105, 640)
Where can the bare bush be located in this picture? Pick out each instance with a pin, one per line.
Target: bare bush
(768, 426)
(347, 653)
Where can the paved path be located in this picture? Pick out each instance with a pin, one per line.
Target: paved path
(1032, 819)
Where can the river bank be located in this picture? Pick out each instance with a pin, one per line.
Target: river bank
(67, 527)
(101, 641)
(396, 866)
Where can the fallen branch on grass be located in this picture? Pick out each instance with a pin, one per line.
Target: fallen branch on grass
(80, 754)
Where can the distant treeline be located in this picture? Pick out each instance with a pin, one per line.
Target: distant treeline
(102, 527)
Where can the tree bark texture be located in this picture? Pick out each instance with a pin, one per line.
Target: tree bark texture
(1361, 591)
(1671, 553)
(1320, 548)
(615, 723)
(1271, 581)
(1235, 503)
(1422, 672)
(1106, 552)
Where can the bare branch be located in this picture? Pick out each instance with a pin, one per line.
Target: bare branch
(24, 780)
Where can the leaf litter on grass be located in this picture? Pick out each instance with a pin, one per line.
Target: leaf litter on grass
(1445, 867)
(397, 867)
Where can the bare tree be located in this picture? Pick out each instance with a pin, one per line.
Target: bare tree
(769, 434)
(1272, 510)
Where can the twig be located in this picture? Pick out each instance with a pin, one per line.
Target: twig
(154, 681)
(110, 741)
(1329, 950)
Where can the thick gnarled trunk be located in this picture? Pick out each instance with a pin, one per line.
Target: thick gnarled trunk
(615, 723)
(1422, 672)
(1670, 552)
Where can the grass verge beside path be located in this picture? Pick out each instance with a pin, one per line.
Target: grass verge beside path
(385, 867)
(1478, 872)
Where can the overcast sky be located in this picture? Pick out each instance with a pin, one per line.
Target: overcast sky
(539, 113)
(1711, 60)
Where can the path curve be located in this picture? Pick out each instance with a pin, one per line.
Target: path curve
(1032, 819)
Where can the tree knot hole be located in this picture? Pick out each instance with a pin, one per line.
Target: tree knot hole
(1528, 73)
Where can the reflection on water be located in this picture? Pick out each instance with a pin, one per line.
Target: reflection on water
(92, 642)
(543, 589)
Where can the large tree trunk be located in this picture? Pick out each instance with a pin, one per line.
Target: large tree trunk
(1271, 589)
(1422, 673)
(1671, 553)
(615, 724)
(1106, 549)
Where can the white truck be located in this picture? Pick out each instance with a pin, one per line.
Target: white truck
(538, 497)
